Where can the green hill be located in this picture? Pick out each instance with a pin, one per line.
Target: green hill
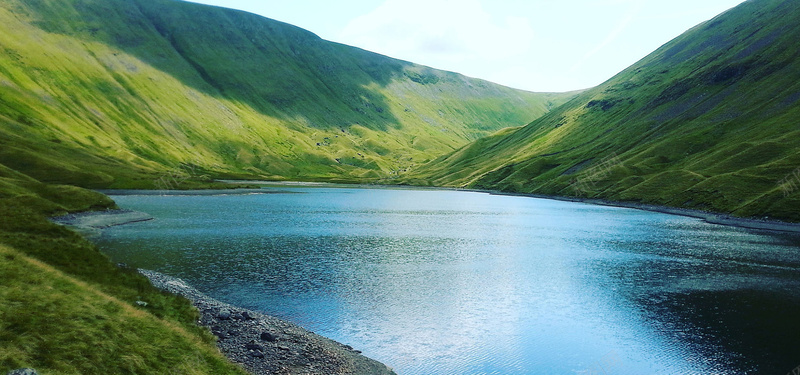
(117, 93)
(66, 309)
(709, 121)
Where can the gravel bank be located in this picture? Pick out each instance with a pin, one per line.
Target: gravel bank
(267, 345)
(90, 223)
(710, 217)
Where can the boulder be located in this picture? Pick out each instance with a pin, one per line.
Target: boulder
(254, 346)
(266, 336)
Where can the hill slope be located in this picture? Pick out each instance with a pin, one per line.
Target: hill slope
(115, 93)
(66, 309)
(709, 121)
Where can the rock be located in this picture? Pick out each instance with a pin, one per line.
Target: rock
(224, 314)
(266, 336)
(23, 371)
(254, 346)
(218, 331)
(247, 315)
(257, 354)
(141, 303)
(237, 316)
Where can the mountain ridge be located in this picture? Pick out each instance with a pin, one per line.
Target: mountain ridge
(122, 92)
(708, 121)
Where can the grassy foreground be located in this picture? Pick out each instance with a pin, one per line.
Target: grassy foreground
(66, 309)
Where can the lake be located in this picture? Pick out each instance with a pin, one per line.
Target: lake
(450, 282)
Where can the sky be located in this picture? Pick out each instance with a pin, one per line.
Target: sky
(535, 45)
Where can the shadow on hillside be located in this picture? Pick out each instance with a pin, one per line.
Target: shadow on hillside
(277, 69)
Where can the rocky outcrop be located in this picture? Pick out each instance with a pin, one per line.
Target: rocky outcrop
(264, 344)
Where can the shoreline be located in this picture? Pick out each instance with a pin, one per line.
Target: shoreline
(91, 223)
(263, 344)
(260, 343)
(709, 217)
(190, 192)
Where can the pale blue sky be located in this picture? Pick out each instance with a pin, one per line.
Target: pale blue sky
(537, 45)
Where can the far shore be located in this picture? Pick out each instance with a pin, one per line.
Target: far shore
(709, 217)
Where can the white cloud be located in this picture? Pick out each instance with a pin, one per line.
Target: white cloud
(439, 32)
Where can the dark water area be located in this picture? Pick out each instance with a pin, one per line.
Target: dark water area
(448, 282)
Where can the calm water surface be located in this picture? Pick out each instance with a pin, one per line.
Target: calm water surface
(445, 282)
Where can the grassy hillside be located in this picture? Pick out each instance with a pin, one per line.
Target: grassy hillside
(709, 121)
(117, 93)
(65, 309)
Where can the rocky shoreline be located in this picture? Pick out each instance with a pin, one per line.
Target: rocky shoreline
(263, 344)
(91, 223)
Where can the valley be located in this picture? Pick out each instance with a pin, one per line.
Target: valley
(165, 95)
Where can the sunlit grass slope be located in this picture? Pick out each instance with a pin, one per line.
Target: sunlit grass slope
(115, 93)
(66, 309)
(58, 324)
(709, 121)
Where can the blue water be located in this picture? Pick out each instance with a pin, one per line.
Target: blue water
(446, 282)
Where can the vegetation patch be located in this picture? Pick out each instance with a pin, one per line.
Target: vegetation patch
(65, 308)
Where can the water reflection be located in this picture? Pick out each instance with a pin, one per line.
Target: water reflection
(440, 282)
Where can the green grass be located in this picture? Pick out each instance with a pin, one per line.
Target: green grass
(116, 93)
(708, 121)
(59, 325)
(66, 309)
